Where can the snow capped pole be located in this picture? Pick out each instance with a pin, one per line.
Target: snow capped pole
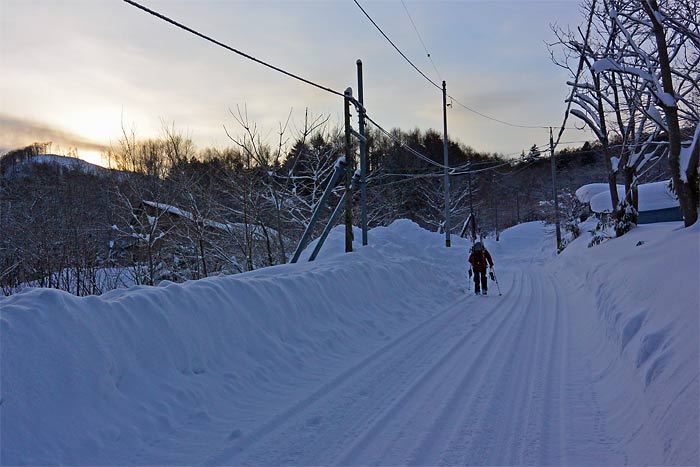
(445, 163)
(554, 188)
(363, 153)
(349, 166)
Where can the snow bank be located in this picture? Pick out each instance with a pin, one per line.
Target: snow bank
(96, 380)
(644, 328)
(652, 196)
(118, 379)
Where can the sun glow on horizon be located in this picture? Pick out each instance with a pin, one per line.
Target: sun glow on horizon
(93, 157)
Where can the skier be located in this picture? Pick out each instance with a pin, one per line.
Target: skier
(478, 260)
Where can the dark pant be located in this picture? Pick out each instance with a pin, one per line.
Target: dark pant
(480, 276)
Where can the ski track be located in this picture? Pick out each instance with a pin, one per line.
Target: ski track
(384, 362)
(485, 381)
(451, 363)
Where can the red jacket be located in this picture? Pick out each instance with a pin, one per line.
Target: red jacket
(478, 260)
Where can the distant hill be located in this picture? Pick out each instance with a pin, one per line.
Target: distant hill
(12, 167)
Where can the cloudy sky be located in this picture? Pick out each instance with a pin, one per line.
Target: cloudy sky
(72, 70)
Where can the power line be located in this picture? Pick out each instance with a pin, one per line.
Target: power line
(494, 118)
(421, 40)
(466, 107)
(395, 47)
(485, 169)
(229, 48)
(459, 170)
(404, 145)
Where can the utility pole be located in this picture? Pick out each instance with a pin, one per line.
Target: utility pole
(445, 163)
(349, 169)
(363, 153)
(495, 208)
(554, 187)
(471, 202)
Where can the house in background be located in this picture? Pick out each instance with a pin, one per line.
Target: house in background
(656, 201)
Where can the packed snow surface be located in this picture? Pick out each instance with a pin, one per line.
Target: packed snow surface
(652, 196)
(379, 357)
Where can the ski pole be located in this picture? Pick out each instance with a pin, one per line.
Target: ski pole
(469, 281)
(496, 280)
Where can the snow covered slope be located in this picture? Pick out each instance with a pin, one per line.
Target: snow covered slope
(378, 357)
(71, 163)
(94, 380)
(645, 292)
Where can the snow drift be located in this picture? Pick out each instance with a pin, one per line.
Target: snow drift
(643, 289)
(94, 380)
(106, 380)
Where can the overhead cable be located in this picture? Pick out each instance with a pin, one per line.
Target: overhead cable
(515, 125)
(395, 47)
(404, 145)
(420, 38)
(460, 170)
(227, 47)
(466, 107)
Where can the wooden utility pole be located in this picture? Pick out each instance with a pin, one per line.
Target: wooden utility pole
(363, 153)
(445, 163)
(348, 174)
(554, 188)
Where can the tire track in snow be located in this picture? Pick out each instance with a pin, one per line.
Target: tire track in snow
(564, 366)
(420, 332)
(350, 416)
(501, 384)
(542, 427)
(552, 420)
(529, 398)
(473, 386)
(481, 439)
(425, 390)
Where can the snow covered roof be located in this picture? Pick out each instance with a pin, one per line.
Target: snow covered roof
(652, 196)
(586, 192)
(224, 227)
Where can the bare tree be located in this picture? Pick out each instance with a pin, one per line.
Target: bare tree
(659, 48)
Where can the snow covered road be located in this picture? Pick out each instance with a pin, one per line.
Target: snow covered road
(486, 381)
(285, 367)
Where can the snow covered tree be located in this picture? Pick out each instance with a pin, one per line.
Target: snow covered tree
(642, 58)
